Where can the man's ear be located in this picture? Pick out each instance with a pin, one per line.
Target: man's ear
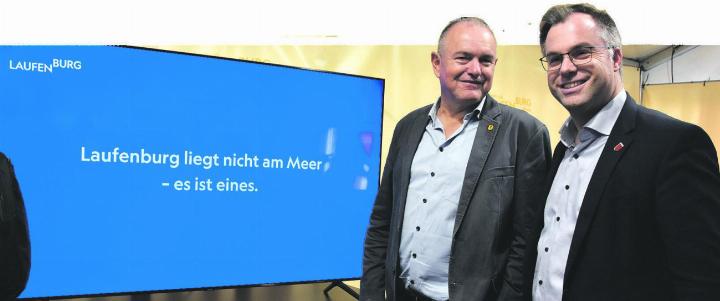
(617, 59)
(435, 61)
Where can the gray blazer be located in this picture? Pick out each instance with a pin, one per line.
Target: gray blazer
(500, 194)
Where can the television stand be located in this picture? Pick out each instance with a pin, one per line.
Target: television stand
(344, 287)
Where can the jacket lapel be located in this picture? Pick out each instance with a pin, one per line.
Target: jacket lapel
(611, 154)
(489, 125)
(558, 155)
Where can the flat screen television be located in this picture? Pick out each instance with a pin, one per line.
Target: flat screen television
(146, 170)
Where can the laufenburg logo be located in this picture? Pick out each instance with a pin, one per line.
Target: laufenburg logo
(44, 67)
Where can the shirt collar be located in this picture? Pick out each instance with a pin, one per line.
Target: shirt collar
(476, 112)
(600, 124)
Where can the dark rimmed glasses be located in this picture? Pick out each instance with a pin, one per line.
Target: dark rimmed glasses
(578, 56)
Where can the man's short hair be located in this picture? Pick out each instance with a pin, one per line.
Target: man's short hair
(558, 13)
(452, 23)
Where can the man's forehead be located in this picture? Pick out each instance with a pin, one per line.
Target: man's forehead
(486, 51)
(470, 39)
(575, 23)
(576, 30)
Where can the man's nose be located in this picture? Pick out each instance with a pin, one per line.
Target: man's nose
(474, 68)
(567, 65)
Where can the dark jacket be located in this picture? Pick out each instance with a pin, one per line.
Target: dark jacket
(14, 238)
(649, 225)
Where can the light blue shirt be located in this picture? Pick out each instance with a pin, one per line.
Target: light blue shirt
(566, 196)
(436, 178)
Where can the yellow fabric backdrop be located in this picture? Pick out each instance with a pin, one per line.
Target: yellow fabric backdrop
(409, 80)
(697, 103)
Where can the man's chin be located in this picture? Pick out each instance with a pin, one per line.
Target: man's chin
(571, 102)
(471, 97)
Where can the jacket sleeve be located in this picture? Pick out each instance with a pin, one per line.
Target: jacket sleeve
(532, 166)
(14, 237)
(372, 284)
(687, 196)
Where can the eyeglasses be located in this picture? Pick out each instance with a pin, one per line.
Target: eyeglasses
(578, 56)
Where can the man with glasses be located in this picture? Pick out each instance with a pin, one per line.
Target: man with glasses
(451, 219)
(633, 211)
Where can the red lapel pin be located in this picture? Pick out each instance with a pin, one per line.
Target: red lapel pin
(618, 147)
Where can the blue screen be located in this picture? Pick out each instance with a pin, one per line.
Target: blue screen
(147, 170)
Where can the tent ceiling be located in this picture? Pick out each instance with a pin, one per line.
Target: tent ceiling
(640, 53)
